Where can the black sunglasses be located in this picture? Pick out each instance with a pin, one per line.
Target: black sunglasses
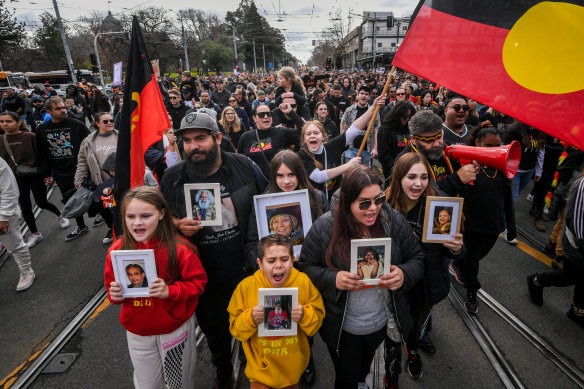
(232, 101)
(107, 121)
(174, 98)
(365, 204)
(457, 107)
(293, 105)
(400, 94)
(262, 115)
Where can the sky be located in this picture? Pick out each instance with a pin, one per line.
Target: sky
(299, 20)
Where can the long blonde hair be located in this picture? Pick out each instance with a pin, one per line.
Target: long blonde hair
(230, 127)
(289, 74)
(304, 147)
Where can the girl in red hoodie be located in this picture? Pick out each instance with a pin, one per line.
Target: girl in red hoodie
(160, 328)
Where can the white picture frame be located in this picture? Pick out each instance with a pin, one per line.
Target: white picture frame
(273, 324)
(270, 207)
(370, 259)
(435, 230)
(213, 214)
(129, 265)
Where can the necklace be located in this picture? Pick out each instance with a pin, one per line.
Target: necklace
(493, 176)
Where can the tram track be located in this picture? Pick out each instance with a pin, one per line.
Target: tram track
(495, 356)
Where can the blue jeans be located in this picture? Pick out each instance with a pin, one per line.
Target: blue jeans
(352, 153)
(519, 182)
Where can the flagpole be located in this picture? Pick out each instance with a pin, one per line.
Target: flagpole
(377, 108)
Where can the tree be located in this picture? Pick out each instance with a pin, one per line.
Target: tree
(48, 39)
(11, 31)
(251, 26)
(218, 54)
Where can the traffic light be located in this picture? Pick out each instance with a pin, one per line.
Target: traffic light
(328, 64)
(390, 21)
(93, 59)
(236, 65)
(375, 65)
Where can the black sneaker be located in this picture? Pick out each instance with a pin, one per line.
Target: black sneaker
(457, 273)
(98, 221)
(223, 379)
(576, 314)
(472, 303)
(109, 237)
(535, 291)
(414, 365)
(309, 374)
(76, 233)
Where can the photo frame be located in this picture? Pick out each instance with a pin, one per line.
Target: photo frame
(370, 259)
(277, 322)
(287, 213)
(134, 270)
(443, 216)
(208, 209)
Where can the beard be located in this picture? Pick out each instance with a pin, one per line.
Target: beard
(203, 204)
(202, 167)
(434, 153)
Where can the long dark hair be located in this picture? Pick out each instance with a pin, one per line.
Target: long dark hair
(96, 101)
(293, 162)
(395, 194)
(392, 119)
(346, 227)
(165, 231)
(527, 134)
(17, 119)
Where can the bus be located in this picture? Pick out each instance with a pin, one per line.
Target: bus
(12, 80)
(58, 79)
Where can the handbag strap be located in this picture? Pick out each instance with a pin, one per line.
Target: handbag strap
(9, 150)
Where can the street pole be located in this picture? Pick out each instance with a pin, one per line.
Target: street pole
(255, 65)
(97, 53)
(234, 45)
(373, 45)
(65, 45)
(264, 51)
(184, 44)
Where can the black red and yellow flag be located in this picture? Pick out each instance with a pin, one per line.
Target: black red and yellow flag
(144, 117)
(523, 58)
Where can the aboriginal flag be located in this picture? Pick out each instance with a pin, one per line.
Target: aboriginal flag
(523, 58)
(144, 116)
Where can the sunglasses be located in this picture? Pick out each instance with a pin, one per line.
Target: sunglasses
(457, 107)
(365, 204)
(107, 121)
(232, 101)
(407, 117)
(175, 98)
(293, 105)
(262, 115)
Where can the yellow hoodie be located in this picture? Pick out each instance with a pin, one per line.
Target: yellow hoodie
(275, 361)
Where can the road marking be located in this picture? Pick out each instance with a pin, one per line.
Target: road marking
(534, 253)
(99, 309)
(10, 378)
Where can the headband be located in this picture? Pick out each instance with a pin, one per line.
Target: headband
(429, 138)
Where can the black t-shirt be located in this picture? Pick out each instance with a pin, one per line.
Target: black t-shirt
(528, 152)
(220, 247)
(13, 103)
(341, 104)
(271, 141)
(359, 139)
(415, 218)
(451, 138)
(60, 142)
(334, 150)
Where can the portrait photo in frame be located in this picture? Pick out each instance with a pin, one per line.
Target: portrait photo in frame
(285, 213)
(278, 304)
(134, 270)
(203, 203)
(370, 259)
(443, 216)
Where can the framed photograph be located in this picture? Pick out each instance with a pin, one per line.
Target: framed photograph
(277, 303)
(204, 203)
(285, 213)
(134, 270)
(442, 220)
(370, 258)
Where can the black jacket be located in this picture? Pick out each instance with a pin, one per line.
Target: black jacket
(405, 253)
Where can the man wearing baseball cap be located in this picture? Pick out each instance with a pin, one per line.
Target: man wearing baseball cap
(221, 248)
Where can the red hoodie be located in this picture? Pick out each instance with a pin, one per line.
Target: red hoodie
(147, 316)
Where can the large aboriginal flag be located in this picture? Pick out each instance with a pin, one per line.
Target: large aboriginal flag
(144, 116)
(524, 58)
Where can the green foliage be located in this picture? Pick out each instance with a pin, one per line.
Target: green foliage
(218, 53)
(11, 31)
(48, 40)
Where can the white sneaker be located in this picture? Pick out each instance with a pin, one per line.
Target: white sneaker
(529, 197)
(63, 222)
(512, 241)
(25, 281)
(33, 239)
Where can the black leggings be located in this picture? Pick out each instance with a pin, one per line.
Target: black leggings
(36, 185)
(572, 274)
(478, 246)
(356, 352)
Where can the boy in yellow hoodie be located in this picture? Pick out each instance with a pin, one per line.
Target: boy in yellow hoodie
(275, 362)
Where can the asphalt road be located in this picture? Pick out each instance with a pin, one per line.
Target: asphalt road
(69, 274)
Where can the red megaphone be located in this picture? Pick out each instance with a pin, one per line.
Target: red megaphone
(505, 158)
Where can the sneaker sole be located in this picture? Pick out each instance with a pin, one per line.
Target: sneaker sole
(23, 288)
(34, 244)
(456, 275)
(411, 375)
(67, 239)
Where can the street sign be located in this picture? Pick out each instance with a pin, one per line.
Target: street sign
(117, 73)
(270, 65)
